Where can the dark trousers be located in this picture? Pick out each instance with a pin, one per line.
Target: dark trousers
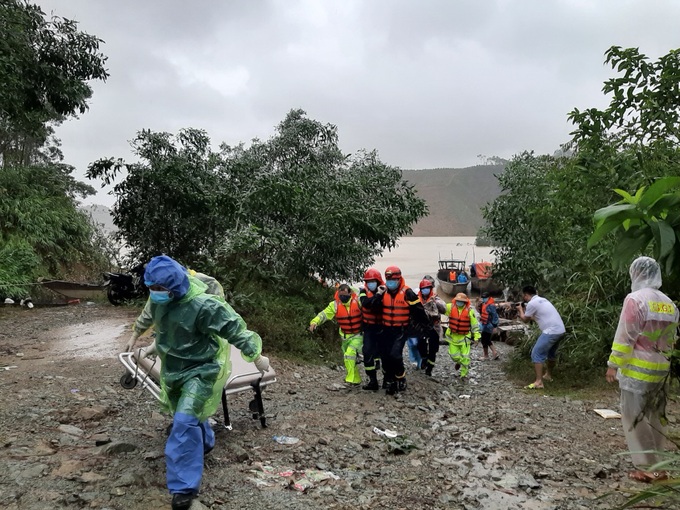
(428, 345)
(371, 349)
(486, 338)
(391, 342)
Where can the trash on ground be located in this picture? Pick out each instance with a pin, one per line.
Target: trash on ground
(285, 439)
(385, 433)
(9, 367)
(266, 476)
(463, 396)
(400, 445)
(607, 413)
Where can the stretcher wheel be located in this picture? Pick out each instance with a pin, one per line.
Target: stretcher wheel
(128, 381)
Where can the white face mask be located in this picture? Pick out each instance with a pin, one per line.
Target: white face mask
(460, 304)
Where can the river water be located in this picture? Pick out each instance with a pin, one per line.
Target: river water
(418, 256)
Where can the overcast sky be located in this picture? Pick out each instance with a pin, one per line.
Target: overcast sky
(428, 83)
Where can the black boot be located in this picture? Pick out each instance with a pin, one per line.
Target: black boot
(390, 387)
(401, 384)
(428, 369)
(182, 501)
(372, 381)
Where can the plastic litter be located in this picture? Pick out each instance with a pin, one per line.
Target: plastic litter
(9, 301)
(286, 439)
(463, 396)
(607, 413)
(385, 433)
(9, 367)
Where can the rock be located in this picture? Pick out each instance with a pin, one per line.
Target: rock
(91, 477)
(70, 429)
(35, 471)
(92, 413)
(117, 447)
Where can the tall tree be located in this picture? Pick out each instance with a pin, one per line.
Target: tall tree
(45, 67)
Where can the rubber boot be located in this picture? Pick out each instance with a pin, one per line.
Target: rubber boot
(182, 501)
(428, 369)
(372, 381)
(390, 387)
(401, 383)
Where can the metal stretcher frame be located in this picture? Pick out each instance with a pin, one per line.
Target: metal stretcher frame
(244, 376)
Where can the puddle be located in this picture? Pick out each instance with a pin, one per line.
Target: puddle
(93, 340)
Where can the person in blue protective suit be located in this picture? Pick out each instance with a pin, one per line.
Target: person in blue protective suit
(192, 331)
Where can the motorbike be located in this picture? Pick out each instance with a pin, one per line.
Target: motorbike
(121, 287)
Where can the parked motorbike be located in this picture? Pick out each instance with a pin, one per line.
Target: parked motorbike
(121, 287)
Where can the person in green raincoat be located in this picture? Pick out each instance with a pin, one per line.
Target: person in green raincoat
(192, 331)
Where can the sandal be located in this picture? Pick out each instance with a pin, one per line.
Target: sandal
(648, 476)
(533, 386)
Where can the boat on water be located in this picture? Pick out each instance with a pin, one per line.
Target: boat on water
(452, 277)
(482, 281)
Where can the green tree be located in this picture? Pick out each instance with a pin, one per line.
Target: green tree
(45, 67)
(291, 205)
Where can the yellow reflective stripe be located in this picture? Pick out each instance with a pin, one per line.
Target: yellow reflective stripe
(633, 374)
(661, 307)
(649, 365)
(622, 348)
(413, 302)
(617, 361)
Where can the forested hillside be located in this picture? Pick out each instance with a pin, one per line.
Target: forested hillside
(455, 197)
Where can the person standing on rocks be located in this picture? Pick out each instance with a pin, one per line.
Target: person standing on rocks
(428, 340)
(370, 299)
(488, 316)
(346, 311)
(399, 306)
(462, 331)
(192, 331)
(544, 353)
(639, 360)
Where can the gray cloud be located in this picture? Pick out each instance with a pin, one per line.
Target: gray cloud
(428, 84)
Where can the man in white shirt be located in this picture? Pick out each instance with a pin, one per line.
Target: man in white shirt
(552, 329)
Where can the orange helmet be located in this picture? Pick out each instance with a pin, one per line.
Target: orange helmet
(392, 273)
(425, 283)
(373, 274)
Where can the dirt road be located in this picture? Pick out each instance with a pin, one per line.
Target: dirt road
(72, 437)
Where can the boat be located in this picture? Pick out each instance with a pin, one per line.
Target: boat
(481, 280)
(443, 278)
(74, 290)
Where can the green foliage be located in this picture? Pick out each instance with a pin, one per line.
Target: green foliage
(293, 205)
(44, 69)
(42, 233)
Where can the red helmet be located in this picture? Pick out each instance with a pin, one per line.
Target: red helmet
(392, 273)
(373, 274)
(425, 283)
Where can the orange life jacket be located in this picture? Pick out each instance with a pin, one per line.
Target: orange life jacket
(395, 308)
(452, 276)
(459, 323)
(348, 320)
(370, 316)
(485, 314)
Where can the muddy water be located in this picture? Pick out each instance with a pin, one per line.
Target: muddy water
(97, 340)
(418, 256)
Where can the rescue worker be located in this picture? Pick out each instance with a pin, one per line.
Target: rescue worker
(370, 299)
(639, 359)
(346, 311)
(145, 321)
(453, 276)
(488, 316)
(192, 331)
(463, 329)
(399, 305)
(428, 342)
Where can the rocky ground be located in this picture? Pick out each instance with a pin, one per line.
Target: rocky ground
(72, 437)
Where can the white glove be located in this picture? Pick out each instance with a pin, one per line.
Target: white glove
(262, 363)
(133, 339)
(150, 350)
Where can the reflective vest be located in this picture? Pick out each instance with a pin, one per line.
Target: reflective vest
(459, 323)
(370, 316)
(395, 308)
(348, 320)
(485, 314)
(452, 276)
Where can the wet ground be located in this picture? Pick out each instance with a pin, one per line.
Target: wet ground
(72, 437)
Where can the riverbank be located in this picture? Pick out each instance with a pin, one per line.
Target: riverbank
(484, 444)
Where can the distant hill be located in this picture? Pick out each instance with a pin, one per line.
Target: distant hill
(102, 216)
(455, 197)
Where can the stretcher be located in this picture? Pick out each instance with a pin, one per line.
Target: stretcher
(244, 377)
